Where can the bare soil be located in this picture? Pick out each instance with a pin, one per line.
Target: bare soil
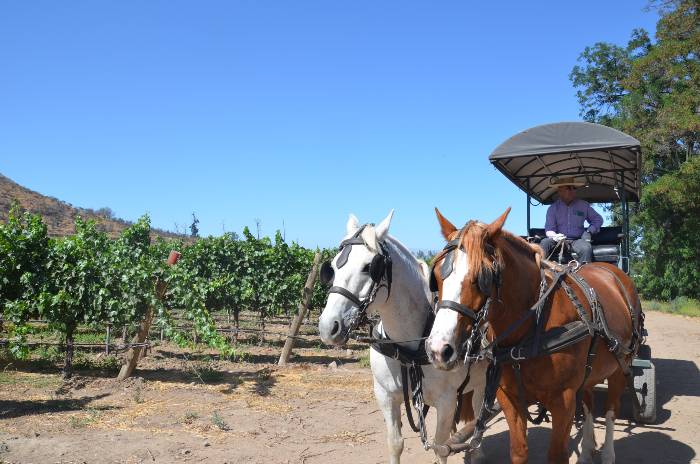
(181, 407)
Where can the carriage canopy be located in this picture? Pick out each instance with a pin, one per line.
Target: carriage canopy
(606, 160)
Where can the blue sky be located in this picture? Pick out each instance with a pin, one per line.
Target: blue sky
(294, 113)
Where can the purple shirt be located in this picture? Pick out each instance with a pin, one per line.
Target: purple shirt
(568, 220)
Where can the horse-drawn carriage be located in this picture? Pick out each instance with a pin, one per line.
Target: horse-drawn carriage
(448, 305)
(608, 163)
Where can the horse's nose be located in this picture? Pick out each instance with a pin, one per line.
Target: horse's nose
(331, 331)
(447, 352)
(440, 352)
(336, 329)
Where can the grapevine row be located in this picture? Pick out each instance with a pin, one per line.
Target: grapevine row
(88, 279)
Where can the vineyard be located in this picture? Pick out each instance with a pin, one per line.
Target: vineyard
(87, 282)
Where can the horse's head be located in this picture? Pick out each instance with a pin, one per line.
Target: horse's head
(465, 274)
(355, 274)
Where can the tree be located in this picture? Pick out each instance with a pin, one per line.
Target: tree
(194, 230)
(651, 90)
(670, 210)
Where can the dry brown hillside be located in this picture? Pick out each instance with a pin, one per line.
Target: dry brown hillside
(59, 215)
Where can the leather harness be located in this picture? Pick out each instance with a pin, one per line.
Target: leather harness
(411, 361)
(538, 343)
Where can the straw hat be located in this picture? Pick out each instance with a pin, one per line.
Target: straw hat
(556, 182)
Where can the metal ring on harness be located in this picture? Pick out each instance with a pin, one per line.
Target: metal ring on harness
(515, 357)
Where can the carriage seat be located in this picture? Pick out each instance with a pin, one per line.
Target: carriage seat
(606, 243)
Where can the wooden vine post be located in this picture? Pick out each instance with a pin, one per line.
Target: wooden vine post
(303, 307)
(135, 353)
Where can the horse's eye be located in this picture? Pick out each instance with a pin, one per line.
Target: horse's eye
(366, 268)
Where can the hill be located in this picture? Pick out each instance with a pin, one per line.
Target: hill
(59, 216)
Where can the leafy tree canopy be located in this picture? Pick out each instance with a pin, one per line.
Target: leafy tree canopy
(651, 90)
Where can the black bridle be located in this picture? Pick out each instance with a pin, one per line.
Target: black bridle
(485, 282)
(379, 271)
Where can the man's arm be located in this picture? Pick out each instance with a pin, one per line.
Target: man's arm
(550, 225)
(594, 219)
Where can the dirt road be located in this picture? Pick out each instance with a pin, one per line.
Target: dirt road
(307, 413)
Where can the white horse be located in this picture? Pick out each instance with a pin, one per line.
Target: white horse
(404, 313)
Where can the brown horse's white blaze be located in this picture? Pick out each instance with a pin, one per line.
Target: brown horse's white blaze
(550, 379)
(444, 341)
(449, 328)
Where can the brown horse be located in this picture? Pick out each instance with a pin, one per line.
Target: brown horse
(495, 271)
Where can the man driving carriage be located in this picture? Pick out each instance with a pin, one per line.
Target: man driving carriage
(565, 220)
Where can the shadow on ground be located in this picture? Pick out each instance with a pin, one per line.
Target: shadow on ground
(18, 408)
(637, 446)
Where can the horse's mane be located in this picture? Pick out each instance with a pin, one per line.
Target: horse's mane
(521, 245)
(485, 258)
(412, 263)
(369, 236)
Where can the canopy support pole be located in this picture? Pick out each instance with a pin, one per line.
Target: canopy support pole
(528, 208)
(625, 226)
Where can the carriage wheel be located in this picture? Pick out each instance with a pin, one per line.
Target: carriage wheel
(645, 388)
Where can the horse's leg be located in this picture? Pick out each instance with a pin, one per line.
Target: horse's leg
(616, 386)
(563, 408)
(588, 443)
(517, 426)
(391, 408)
(445, 421)
(477, 456)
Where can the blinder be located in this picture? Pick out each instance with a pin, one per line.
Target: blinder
(445, 270)
(484, 280)
(327, 273)
(446, 266)
(344, 255)
(378, 267)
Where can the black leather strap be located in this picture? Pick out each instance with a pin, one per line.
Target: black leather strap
(346, 247)
(407, 400)
(346, 294)
(460, 308)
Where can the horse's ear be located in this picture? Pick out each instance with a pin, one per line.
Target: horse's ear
(493, 229)
(446, 227)
(383, 228)
(353, 225)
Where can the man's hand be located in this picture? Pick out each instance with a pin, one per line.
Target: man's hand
(559, 237)
(586, 236)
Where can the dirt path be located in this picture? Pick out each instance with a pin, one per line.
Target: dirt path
(309, 413)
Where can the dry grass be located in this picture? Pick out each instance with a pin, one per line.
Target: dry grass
(347, 436)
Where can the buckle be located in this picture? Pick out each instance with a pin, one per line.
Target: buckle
(574, 265)
(514, 356)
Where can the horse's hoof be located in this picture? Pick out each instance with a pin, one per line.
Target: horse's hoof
(476, 457)
(607, 456)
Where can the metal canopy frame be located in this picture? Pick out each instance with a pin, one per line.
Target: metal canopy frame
(606, 161)
(603, 184)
